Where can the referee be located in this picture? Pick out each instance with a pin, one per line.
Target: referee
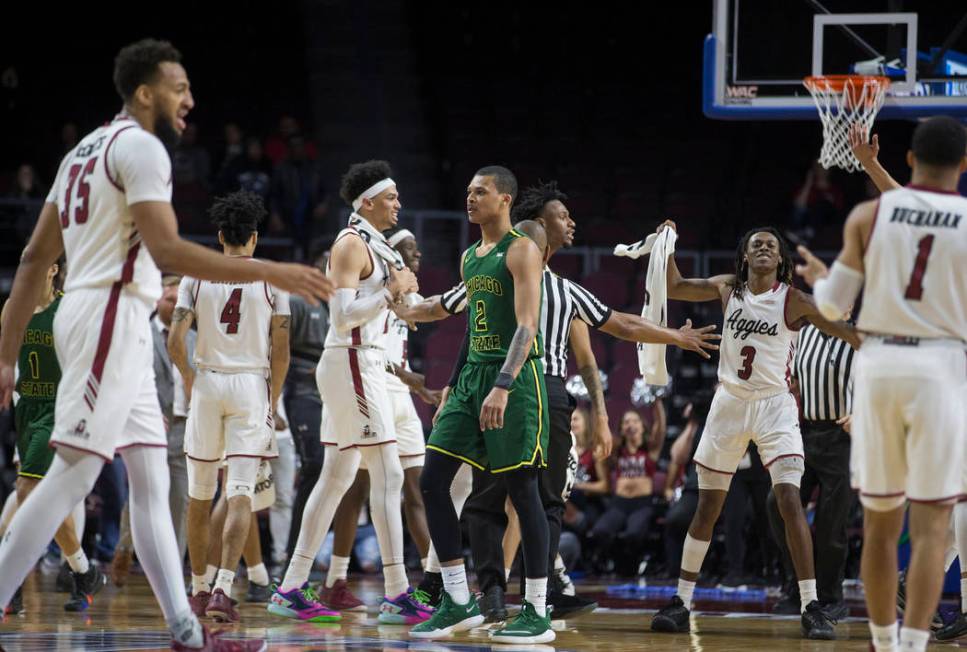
(823, 368)
(566, 312)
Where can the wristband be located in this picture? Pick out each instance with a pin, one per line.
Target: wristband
(504, 380)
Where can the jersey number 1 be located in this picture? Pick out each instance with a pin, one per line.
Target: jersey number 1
(915, 286)
(77, 174)
(232, 311)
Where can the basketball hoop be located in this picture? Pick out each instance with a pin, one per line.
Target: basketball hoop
(844, 101)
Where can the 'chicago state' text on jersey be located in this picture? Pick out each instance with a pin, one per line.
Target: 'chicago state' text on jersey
(915, 281)
(757, 345)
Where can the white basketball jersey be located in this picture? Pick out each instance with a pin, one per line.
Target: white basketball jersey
(916, 266)
(234, 322)
(372, 334)
(757, 346)
(397, 345)
(113, 167)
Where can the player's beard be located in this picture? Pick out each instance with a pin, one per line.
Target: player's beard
(166, 132)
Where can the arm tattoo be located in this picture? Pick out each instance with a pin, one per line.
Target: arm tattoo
(518, 351)
(592, 381)
(179, 314)
(284, 322)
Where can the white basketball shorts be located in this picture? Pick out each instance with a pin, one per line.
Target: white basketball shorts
(357, 409)
(771, 423)
(409, 429)
(229, 416)
(107, 399)
(909, 420)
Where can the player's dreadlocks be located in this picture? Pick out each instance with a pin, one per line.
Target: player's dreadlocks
(237, 216)
(534, 199)
(361, 176)
(783, 274)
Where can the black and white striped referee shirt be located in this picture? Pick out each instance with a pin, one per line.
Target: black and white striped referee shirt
(824, 367)
(563, 300)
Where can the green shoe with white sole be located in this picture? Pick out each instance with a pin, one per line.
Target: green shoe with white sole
(448, 618)
(526, 628)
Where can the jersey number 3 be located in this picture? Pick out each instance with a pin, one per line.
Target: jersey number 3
(77, 174)
(748, 355)
(915, 286)
(232, 311)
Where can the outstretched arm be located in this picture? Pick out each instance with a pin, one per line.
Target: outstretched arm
(694, 289)
(866, 153)
(525, 264)
(580, 340)
(635, 328)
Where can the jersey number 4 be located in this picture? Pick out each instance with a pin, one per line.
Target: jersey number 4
(915, 286)
(232, 312)
(77, 175)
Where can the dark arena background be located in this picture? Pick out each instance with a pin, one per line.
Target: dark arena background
(604, 98)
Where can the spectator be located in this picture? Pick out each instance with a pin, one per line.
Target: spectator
(298, 198)
(591, 484)
(234, 149)
(190, 163)
(277, 146)
(817, 202)
(251, 172)
(68, 138)
(629, 513)
(27, 185)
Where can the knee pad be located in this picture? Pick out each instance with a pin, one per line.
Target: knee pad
(241, 476)
(202, 479)
(787, 470)
(882, 503)
(713, 480)
(265, 491)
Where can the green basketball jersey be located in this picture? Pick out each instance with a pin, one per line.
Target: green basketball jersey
(490, 300)
(37, 366)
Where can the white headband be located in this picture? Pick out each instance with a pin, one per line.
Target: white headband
(372, 191)
(400, 236)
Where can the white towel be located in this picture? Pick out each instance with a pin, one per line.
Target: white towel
(651, 357)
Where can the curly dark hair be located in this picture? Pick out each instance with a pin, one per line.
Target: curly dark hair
(534, 199)
(361, 176)
(138, 63)
(237, 216)
(783, 274)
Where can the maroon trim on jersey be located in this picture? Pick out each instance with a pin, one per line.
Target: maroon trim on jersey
(386, 323)
(328, 443)
(268, 296)
(779, 457)
(107, 151)
(353, 231)
(934, 500)
(361, 402)
(414, 455)
(709, 468)
(939, 191)
(869, 495)
(103, 345)
(869, 238)
(357, 336)
(785, 308)
(194, 296)
(379, 443)
(792, 354)
(55, 444)
(127, 270)
(776, 285)
(201, 459)
(254, 457)
(138, 443)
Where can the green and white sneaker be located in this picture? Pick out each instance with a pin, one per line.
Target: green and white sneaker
(527, 628)
(448, 618)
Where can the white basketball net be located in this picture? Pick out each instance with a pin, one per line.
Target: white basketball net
(843, 103)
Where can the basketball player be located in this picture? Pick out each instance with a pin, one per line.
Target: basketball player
(753, 402)
(906, 252)
(39, 375)
(357, 421)
(110, 211)
(241, 357)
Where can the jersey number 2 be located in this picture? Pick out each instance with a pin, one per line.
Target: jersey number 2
(915, 286)
(480, 319)
(232, 311)
(77, 175)
(748, 355)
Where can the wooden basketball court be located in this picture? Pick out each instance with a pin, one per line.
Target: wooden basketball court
(130, 619)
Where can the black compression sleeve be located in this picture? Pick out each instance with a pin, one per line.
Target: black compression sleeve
(461, 358)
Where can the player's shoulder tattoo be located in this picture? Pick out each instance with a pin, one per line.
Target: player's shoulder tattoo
(180, 314)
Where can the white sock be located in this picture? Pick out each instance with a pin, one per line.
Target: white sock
(224, 581)
(78, 561)
(685, 591)
(394, 579)
(297, 573)
(949, 555)
(807, 593)
(186, 629)
(432, 561)
(507, 574)
(423, 563)
(886, 638)
(200, 584)
(913, 640)
(210, 574)
(535, 592)
(338, 569)
(455, 583)
(963, 594)
(259, 575)
(559, 564)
